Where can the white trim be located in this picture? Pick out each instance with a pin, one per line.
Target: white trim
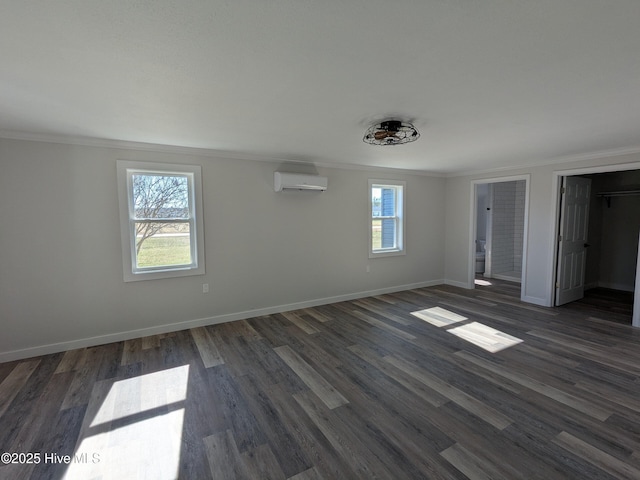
(224, 154)
(455, 283)
(635, 316)
(472, 228)
(401, 202)
(194, 173)
(197, 151)
(174, 327)
(556, 182)
(614, 167)
(616, 152)
(508, 278)
(536, 301)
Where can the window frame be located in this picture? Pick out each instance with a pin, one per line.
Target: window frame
(400, 189)
(125, 171)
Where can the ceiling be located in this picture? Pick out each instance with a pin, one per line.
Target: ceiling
(489, 84)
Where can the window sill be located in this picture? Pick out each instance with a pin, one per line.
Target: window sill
(158, 274)
(387, 253)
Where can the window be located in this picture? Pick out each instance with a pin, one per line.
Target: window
(160, 220)
(386, 209)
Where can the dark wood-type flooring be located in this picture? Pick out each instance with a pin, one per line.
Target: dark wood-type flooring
(359, 389)
(614, 305)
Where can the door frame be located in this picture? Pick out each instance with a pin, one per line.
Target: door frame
(635, 317)
(555, 229)
(473, 227)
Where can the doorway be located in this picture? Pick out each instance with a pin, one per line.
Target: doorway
(499, 218)
(610, 265)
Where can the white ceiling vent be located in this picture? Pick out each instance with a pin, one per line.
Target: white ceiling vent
(297, 181)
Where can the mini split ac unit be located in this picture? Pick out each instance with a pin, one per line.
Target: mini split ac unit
(297, 181)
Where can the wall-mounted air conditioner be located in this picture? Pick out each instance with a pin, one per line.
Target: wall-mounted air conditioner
(298, 181)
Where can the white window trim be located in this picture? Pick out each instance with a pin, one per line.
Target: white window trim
(125, 169)
(401, 248)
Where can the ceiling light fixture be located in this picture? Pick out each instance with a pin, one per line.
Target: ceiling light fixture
(391, 132)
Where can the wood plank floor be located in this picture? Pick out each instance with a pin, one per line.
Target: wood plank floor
(616, 305)
(477, 385)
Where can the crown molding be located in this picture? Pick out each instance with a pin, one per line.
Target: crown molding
(230, 155)
(202, 152)
(561, 160)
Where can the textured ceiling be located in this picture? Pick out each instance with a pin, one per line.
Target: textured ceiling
(488, 83)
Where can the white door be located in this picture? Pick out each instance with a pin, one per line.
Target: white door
(572, 242)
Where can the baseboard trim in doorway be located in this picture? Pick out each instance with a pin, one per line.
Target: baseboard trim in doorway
(541, 302)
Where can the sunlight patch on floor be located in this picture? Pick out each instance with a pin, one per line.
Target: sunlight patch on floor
(485, 337)
(137, 430)
(440, 317)
(143, 393)
(482, 283)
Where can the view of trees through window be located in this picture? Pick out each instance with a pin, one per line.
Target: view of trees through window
(162, 218)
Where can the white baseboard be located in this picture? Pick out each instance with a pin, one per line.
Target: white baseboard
(542, 302)
(508, 278)
(200, 322)
(455, 283)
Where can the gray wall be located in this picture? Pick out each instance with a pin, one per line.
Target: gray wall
(61, 282)
(60, 255)
(541, 221)
(613, 232)
(507, 227)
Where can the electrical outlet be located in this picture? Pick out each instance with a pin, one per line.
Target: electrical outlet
(368, 269)
(205, 288)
